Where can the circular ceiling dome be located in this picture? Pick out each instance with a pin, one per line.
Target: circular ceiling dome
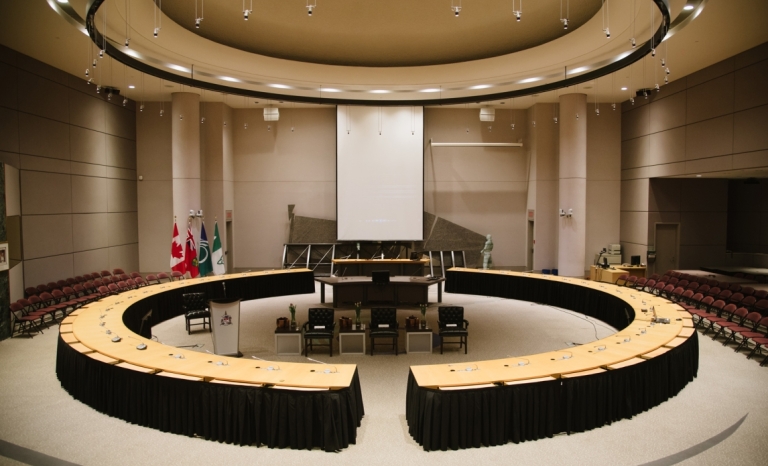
(392, 33)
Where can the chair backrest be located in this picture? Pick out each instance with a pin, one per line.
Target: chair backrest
(650, 283)
(386, 316)
(105, 273)
(69, 292)
(193, 302)
(36, 302)
(697, 297)
(17, 308)
(718, 306)
(72, 281)
(762, 306)
(687, 295)
(729, 311)
(113, 288)
(655, 277)
(669, 289)
(751, 320)
(714, 291)
(28, 306)
(124, 277)
(747, 291)
(320, 316)
(122, 285)
(673, 280)
(736, 298)
(631, 280)
(103, 290)
(30, 291)
(131, 283)
(703, 289)
(682, 283)
(734, 288)
(118, 271)
(450, 314)
(135, 275)
(760, 294)
(693, 286)
(748, 302)
(641, 281)
(79, 290)
(163, 276)
(725, 294)
(98, 283)
(762, 324)
(106, 280)
(61, 284)
(177, 275)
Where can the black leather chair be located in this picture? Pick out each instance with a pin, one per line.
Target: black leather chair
(384, 325)
(451, 323)
(319, 326)
(196, 307)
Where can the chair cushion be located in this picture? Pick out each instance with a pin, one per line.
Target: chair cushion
(198, 314)
(384, 332)
(453, 331)
(319, 333)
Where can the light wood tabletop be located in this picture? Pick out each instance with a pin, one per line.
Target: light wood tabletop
(97, 324)
(640, 338)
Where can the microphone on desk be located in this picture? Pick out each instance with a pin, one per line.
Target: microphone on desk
(566, 356)
(326, 371)
(521, 363)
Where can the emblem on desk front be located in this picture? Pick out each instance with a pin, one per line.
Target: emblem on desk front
(226, 319)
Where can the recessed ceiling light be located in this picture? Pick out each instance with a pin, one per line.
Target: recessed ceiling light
(279, 86)
(623, 88)
(179, 68)
(328, 89)
(430, 90)
(481, 86)
(688, 7)
(380, 91)
(698, 176)
(131, 86)
(530, 80)
(578, 70)
(63, 1)
(227, 78)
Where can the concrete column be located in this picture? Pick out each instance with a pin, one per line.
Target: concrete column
(185, 155)
(573, 184)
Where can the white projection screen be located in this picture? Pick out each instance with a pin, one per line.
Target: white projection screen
(379, 173)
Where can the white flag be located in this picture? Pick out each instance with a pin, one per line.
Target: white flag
(217, 255)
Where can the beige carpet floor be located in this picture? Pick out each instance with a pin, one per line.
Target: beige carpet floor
(38, 414)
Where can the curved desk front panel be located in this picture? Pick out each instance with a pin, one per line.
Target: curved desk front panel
(573, 390)
(239, 401)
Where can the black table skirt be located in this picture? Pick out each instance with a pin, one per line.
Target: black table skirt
(441, 420)
(226, 413)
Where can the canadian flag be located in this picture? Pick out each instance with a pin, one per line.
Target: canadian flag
(177, 252)
(190, 252)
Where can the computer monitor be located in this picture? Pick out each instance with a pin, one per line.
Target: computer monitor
(635, 260)
(380, 277)
(415, 256)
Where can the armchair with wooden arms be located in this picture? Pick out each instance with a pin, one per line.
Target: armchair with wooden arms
(451, 324)
(196, 307)
(384, 325)
(319, 326)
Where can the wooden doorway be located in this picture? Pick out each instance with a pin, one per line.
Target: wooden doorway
(667, 247)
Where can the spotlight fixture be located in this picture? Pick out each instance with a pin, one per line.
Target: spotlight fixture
(613, 106)
(666, 70)
(607, 33)
(311, 7)
(555, 120)
(518, 11)
(197, 23)
(141, 107)
(632, 100)
(161, 112)
(653, 52)
(101, 53)
(565, 23)
(245, 14)
(127, 42)
(86, 72)
(658, 89)
(666, 79)
(456, 10)
(109, 96)
(202, 120)
(156, 31)
(90, 80)
(632, 41)
(125, 101)
(597, 111)
(98, 89)
(94, 63)
(663, 62)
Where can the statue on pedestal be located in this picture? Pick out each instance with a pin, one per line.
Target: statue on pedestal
(486, 252)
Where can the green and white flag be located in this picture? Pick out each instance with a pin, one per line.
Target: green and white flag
(217, 256)
(204, 255)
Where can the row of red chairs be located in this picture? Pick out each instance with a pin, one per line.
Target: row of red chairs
(734, 323)
(51, 303)
(666, 285)
(747, 276)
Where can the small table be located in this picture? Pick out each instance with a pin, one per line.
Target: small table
(288, 341)
(352, 340)
(418, 340)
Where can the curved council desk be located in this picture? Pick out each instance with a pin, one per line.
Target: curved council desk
(527, 398)
(242, 401)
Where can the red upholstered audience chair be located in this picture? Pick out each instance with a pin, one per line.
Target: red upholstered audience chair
(762, 307)
(748, 328)
(105, 273)
(23, 323)
(152, 279)
(163, 276)
(734, 318)
(631, 280)
(177, 275)
(113, 289)
(622, 280)
(140, 282)
(136, 275)
(640, 283)
(118, 271)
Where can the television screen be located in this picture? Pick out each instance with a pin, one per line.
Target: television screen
(380, 277)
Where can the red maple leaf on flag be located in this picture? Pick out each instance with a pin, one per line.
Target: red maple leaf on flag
(176, 250)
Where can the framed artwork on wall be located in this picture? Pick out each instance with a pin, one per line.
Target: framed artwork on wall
(4, 255)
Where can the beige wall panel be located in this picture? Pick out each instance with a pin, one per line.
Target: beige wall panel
(696, 256)
(187, 195)
(547, 138)
(44, 164)
(712, 164)
(47, 269)
(634, 227)
(572, 230)
(635, 122)
(699, 228)
(46, 235)
(749, 129)
(39, 68)
(45, 193)
(603, 203)
(751, 56)
(627, 106)
(120, 121)
(751, 90)
(12, 191)
(42, 97)
(121, 195)
(678, 85)
(750, 160)
(123, 228)
(213, 201)
(228, 146)
(16, 281)
(711, 73)
(660, 217)
(634, 173)
(261, 225)
(86, 111)
(668, 113)
(121, 152)
(604, 146)
(153, 143)
(87, 145)
(664, 195)
(211, 141)
(90, 231)
(744, 232)
(10, 159)
(9, 97)
(667, 146)
(44, 137)
(121, 173)
(9, 130)
(710, 99)
(88, 169)
(155, 225)
(474, 164)
(126, 257)
(261, 155)
(709, 138)
(89, 194)
(546, 224)
(700, 195)
(635, 152)
(634, 195)
(185, 133)
(92, 261)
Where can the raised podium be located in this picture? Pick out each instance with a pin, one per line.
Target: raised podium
(225, 324)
